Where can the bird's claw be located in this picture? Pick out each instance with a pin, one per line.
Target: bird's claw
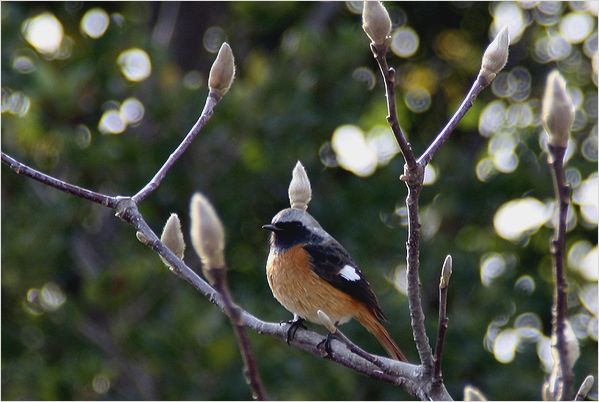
(294, 325)
(326, 345)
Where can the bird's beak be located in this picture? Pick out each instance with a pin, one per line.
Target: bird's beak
(270, 227)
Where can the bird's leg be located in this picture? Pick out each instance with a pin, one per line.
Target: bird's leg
(295, 324)
(326, 343)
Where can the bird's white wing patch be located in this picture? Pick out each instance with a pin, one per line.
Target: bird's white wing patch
(350, 273)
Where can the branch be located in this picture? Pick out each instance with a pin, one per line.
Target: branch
(479, 84)
(233, 312)
(558, 245)
(58, 184)
(388, 74)
(414, 179)
(443, 285)
(211, 101)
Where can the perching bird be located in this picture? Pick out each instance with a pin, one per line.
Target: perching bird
(308, 270)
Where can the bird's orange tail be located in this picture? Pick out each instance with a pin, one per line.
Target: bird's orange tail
(376, 328)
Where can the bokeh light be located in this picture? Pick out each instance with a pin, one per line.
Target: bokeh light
(492, 266)
(112, 123)
(44, 32)
(365, 75)
(507, 14)
(132, 110)
(214, 38)
(353, 153)
(52, 297)
(517, 218)
(101, 384)
(94, 23)
(576, 27)
(504, 347)
(585, 196)
(135, 64)
(358, 152)
(404, 42)
(418, 100)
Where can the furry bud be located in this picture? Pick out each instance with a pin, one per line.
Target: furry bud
(300, 191)
(222, 72)
(376, 22)
(495, 56)
(207, 234)
(172, 237)
(558, 110)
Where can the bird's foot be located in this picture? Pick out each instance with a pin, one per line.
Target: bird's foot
(325, 344)
(296, 323)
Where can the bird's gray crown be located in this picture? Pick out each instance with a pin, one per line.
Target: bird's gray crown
(299, 215)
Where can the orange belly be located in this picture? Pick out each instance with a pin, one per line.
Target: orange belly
(303, 292)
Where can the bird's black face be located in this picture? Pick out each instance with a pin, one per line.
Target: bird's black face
(287, 234)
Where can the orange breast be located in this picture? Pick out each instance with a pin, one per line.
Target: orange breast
(303, 292)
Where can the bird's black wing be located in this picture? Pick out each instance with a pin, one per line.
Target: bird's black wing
(332, 262)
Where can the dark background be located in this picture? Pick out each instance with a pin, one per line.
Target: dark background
(90, 313)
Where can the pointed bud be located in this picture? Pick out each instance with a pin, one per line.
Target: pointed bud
(473, 394)
(222, 72)
(300, 191)
(376, 22)
(558, 110)
(326, 321)
(446, 272)
(207, 234)
(495, 56)
(172, 237)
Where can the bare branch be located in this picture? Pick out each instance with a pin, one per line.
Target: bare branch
(560, 291)
(443, 285)
(21, 168)
(380, 53)
(211, 101)
(233, 312)
(479, 84)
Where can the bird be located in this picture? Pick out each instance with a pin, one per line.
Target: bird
(308, 270)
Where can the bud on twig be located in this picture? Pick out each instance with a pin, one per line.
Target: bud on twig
(495, 56)
(207, 235)
(300, 191)
(172, 237)
(558, 110)
(222, 72)
(446, 272)
(376, 22)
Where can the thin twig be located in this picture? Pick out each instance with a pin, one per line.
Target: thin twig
(442, 329)
(414, 177)
(388, 74)
(558, 245)
(479, 84)
(211, 101)
(22, 169)
(414, 181)
(250, 371)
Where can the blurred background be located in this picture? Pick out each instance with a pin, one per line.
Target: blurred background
(99, 94)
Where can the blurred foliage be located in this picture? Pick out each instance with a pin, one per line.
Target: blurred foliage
(89, 313)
